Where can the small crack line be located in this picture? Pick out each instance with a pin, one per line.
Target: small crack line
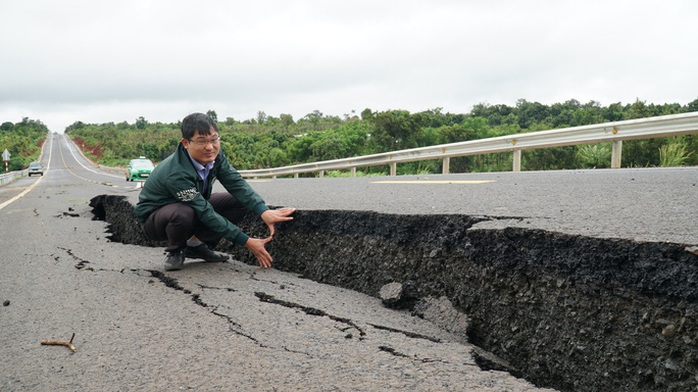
(82, 263)
(233, 326)
(204, 287)
(396, 353)
(308, 310)
(253, 276)
(407, 333)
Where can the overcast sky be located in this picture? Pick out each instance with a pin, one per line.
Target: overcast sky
(113, 61)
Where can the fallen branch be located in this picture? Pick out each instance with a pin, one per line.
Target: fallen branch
(61, 343)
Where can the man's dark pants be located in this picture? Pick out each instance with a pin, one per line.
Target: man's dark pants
(177, 222)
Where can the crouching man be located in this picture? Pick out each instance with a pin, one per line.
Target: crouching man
(177, 205)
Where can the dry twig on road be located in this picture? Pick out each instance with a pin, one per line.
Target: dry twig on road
(68, 344)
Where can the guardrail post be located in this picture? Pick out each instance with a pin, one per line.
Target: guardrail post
(445, 165)
(322, 173)
(616, 149)
(517, 161)
(353, 171)
(393, 168)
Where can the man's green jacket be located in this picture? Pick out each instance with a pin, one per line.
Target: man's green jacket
(175, 180)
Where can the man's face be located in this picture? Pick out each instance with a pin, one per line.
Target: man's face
(203, 148)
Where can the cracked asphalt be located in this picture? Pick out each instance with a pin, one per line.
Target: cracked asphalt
(211, 326)
(208, 327)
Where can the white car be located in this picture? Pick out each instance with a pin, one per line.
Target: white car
(36, 168)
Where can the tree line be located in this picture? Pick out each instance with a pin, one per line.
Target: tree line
(266, 141)
(23, 140)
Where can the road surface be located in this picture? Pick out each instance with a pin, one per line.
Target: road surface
(208, 327)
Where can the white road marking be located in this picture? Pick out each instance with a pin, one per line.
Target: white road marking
(428, 182)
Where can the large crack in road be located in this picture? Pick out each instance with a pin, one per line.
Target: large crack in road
(569, 312)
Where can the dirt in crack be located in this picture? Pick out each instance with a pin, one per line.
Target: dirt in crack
(168, 281)
(82, 263)
(174, 284)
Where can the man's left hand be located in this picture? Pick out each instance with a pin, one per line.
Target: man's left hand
(271, 217)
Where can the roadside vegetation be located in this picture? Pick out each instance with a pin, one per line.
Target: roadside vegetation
(267, 141)
(23, 140)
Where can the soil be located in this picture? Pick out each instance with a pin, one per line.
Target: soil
(94, 151)
(568, 312)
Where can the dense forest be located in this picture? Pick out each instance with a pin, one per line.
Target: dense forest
(267, 141)
(23, 140)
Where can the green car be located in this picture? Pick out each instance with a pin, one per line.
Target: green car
(139, 169)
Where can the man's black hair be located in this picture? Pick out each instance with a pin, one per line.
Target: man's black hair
(201, 122)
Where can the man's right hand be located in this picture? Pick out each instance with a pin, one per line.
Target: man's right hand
(256, 246)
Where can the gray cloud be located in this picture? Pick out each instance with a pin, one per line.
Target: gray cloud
(99, 61)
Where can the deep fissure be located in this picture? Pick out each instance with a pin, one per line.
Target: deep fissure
(569, 312)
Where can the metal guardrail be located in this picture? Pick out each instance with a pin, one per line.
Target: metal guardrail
(614, 132)
(7, 178)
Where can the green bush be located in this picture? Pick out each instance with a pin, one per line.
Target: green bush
(673, 154)
(594, 156)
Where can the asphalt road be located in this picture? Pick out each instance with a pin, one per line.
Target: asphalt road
(649, 204)
(208, 327)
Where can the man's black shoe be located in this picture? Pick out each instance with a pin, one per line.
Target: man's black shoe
(174, 260)
(203, 252)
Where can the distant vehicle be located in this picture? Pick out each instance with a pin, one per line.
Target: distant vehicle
(139, 169)
(36, 168)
